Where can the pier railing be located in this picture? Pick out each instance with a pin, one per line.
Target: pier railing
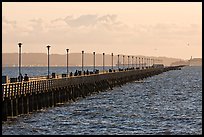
(27, 96)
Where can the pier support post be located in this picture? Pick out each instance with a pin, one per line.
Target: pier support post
(35, 103)
(15, 106)
(30, 98)
(4, 109)
(25, 104)
(10, 107)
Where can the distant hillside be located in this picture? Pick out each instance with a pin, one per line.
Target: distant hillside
(40, 59)
(192, 62)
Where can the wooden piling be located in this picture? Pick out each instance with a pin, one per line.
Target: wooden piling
(26, 97)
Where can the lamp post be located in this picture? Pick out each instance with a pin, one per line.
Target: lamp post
(153, 61)
(103, 62)
(142, 63)
(94, 61)
(147, 62)
(132, 61)
(136, 62)
(67, 62)
(19, 44)
(128, 61)
(118, 62)
(112, 60)
(139, 62)
(82, 64)
(123, 61)
(48, 66)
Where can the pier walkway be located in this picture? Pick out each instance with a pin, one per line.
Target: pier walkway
(29, 96)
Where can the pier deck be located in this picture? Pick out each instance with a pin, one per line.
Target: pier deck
(29, 96)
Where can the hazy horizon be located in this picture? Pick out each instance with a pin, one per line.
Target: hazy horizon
(157, 29)
(92, 53)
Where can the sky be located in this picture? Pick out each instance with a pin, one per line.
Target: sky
(170, 29)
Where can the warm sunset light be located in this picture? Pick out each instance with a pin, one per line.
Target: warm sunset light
(123, 28)
(101, 68)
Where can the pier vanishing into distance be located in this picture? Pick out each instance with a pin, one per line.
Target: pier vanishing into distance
(28, 96)
(24, 97)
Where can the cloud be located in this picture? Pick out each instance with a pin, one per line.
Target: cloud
(92, 30)
(90, 20)
(9, 22)
(83, 20)
(37, 25)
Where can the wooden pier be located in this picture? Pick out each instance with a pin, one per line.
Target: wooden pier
(26, 97)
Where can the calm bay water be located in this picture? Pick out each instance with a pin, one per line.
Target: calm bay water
(168, 103)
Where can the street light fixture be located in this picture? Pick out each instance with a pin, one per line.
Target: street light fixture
(20, 78)
(67, 62)
(118, 62)
(112, 60)
(48, 48)
(82, 67)
(135, 62)
(132, 61)
(103, 62)
(148, 62)
(128, 61)
(94, 61)
(123, 61)
(144, 62)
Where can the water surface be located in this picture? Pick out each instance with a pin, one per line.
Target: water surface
(168, 103)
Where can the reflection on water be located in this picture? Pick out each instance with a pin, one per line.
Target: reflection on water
(168, 103)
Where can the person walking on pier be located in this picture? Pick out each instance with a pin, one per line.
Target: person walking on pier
(20, 78)
(26, 78)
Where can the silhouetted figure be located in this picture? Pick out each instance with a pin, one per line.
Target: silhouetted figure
(97, 71)
(87, 72)
(26, 78)
(79, 73)
(110, 70)
(71, 74)
(76, 73)
(20, 78)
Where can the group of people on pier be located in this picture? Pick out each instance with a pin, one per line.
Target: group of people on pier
(78, 73)
(21, 78)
